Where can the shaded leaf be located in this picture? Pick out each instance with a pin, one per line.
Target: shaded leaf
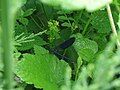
(28, 12)
(101, 21)
(28, 45)
(66, 24)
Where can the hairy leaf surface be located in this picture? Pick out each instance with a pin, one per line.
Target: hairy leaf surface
(44, 70)
(86, 48)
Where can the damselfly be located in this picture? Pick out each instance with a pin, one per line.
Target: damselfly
(56, 50)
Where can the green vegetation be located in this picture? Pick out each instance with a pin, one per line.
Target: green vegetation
(59, 45)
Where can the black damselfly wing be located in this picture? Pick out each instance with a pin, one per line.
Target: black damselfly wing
(62, 47)
(66, 43)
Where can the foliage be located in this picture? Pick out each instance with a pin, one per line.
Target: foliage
(99, 17)
(90, 5)
(41, 60)
(106, 65)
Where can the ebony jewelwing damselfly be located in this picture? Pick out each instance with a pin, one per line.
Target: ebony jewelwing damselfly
(56, 50)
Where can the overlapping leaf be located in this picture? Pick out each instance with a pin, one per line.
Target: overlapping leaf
(86, 48)
(100, 21)
(42, 69)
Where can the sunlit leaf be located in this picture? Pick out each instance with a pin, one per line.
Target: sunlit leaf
(85, 48)
(42, 69)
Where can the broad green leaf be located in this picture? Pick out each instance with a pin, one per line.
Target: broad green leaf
(89, 5)
(101, 40)
(85, 48)
(100, 21)
(44, 70)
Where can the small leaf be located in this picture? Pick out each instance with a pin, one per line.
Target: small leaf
(65, 18)
(64, 12)
(24, 21)
(62, 18)
(28, 12)
(79, 63)
(66, 24)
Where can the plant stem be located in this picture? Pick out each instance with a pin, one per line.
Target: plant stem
(36, 23)
(112, 23)
(69, 23)
(7, 44)
(86, 26)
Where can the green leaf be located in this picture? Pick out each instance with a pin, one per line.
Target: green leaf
(63, 12)
(78, 66)
(19, 13)
(62, 18)
(100, 21)
(101, 40)
(66, 24)
(28, 12)
(24, 21)
(28, 45)
(85, 48)
(89, 5)
(44, 70)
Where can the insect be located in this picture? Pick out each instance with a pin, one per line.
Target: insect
(56, 50)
